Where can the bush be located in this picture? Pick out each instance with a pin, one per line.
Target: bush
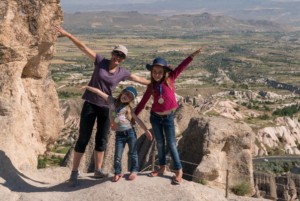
(46, 161)
(202, 181)
(264, 117)
(241, 188)
(244, 86)
(63, 150)
(266, 108)
(66, 94)
(298, 146)
(42, 162)
(286, 111)
(278, 167)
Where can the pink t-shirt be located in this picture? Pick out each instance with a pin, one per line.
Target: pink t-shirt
(162, 90)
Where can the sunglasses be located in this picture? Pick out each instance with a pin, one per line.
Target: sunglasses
(119, 54)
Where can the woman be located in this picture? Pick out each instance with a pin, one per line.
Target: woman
(106, 76)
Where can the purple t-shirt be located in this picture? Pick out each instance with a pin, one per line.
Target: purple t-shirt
(104, 80)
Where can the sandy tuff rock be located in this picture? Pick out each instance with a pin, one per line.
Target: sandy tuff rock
(213, 145)
(287, 132)
(182, 117)
(49, 184)
(29, 110)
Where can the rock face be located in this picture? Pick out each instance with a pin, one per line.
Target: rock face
(281, 137)
(29, 110)
(182, 117)
(287, 133)
(213, 145)
(277, 187)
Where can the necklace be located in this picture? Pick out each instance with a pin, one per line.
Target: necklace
(160, 100)
(116, 112)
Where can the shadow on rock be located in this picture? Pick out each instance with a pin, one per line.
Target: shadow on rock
(15, 180)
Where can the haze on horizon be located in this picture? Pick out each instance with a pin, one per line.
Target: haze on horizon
(280, 11)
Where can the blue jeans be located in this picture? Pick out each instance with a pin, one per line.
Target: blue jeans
(164, 132)
(123, 137)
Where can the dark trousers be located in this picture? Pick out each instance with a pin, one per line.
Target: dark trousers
(89, 114)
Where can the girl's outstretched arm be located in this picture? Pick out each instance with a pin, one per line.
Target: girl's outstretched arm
(97, 91)
(184, 64)
(141, 124)
(144, 100)
(90, 53)
(197, 52)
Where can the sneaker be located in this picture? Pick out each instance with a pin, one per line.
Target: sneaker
(73, 181)
(102, 174)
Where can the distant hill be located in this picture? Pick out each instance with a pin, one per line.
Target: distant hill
(135, 21)
(285, 12)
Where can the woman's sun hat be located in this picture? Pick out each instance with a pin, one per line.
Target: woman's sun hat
(121, 48)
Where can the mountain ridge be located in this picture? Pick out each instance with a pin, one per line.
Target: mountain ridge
(276, 11)
(134, 20)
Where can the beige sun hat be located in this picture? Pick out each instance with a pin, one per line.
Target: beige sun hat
(121, 48)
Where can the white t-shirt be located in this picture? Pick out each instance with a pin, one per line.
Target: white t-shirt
(118, 117)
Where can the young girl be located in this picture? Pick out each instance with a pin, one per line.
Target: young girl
(120, 114)
(164, 104)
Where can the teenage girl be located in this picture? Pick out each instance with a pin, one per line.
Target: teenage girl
(162, 89)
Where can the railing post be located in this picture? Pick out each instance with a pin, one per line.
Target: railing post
(153, 156)
(227, 183)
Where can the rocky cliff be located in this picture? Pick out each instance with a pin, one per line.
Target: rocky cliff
(29, 111)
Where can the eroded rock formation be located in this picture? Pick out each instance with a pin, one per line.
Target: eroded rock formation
(29, 111)
(212, 145)
(286, 133)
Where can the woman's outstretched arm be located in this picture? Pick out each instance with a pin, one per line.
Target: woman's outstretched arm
(90, 53)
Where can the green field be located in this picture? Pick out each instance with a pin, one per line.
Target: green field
(244, 57)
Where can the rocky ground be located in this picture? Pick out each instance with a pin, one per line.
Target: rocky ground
(50, 184)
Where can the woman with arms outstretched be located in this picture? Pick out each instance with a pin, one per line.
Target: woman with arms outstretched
(106, 76)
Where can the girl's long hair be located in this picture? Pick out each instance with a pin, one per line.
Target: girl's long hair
(118, 104)
(165, 78)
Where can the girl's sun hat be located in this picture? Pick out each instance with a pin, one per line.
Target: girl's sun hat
(159, 62)
(132, 90)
